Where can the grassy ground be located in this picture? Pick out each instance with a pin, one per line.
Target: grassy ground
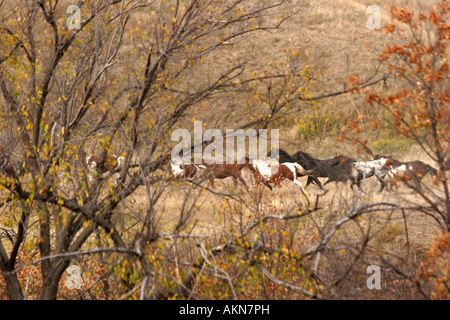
(334, 35)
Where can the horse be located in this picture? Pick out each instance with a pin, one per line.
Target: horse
(308, 163)
(336, 169)
(305, 160)
(378, 167)
(210, 171)
(270, 171)
(184, 170)
(225, 170)
(411, 170)
(112, 162)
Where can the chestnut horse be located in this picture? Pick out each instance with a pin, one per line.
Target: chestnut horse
(210, 171)
(409, 171)
(225, 170)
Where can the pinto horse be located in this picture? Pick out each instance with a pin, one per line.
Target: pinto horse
(305, 160)
(112, 162)
(184, 170)
(409, 171)
(270, 171)
(378, 167)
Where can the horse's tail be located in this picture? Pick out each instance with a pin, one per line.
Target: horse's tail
(430, 169)
(300, 170)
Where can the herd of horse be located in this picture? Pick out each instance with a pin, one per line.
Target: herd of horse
(341, 168)
(272, 171)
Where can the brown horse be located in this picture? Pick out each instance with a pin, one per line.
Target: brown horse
(409, 171)
(225, 170)
(210, 171)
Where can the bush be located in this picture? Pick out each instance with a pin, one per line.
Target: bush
(317, 125)
(390, 146)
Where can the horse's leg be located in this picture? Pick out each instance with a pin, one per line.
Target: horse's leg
(267, 184)
(309, 180)
(293, 178)
(417, 183)
(300, 185)
(208, 176)
(383, 183)
(361, 185)
(317, 181)
(357, 182)
(235, 181)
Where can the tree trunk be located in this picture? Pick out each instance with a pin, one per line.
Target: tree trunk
(13, 287)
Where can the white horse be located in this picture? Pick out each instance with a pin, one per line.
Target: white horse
(366, 169)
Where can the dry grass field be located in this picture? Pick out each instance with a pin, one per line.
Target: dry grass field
(334, 35)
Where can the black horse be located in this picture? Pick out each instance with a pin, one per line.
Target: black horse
(303, 159)
(312, 165)
(336, 169)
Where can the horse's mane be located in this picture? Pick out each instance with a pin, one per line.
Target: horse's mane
(306, 160)
(304, 155)
(284, 156)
